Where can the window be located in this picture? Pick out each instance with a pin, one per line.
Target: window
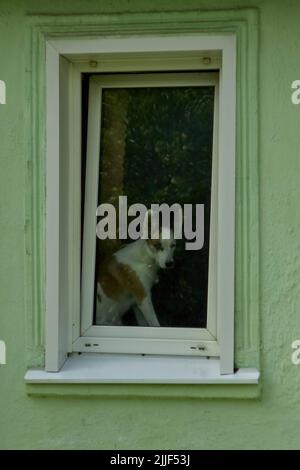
(158, 134)
(159, 105)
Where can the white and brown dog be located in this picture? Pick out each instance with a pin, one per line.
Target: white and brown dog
(127, 278)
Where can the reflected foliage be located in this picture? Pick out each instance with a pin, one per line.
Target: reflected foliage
(167, 158)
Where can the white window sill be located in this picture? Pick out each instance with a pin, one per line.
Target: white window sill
(114, 368)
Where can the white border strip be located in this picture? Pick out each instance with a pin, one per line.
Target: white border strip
(54, 357)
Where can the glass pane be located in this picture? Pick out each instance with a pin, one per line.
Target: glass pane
(156, 147)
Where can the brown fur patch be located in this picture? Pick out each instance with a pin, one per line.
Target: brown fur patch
(117, 279)
(153, 242)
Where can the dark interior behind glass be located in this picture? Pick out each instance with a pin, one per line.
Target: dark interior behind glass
(156, 147)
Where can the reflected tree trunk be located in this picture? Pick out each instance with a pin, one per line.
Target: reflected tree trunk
(114, 129)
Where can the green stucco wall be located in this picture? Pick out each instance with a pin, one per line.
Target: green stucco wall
(106, 421)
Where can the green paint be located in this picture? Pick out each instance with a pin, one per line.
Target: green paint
(162, 416)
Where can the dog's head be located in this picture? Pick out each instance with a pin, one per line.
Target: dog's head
(162, 248)
(160, 242)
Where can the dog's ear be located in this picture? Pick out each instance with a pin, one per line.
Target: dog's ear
(151, 225)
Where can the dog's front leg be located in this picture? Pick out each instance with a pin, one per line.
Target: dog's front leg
(140, 319)
(147, 309)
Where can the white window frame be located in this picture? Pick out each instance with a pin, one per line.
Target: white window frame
(66, 60)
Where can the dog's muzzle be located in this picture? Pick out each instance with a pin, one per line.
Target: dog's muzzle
(170, 264)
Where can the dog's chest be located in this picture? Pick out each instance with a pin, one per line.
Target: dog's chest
(146, 273)
(141, 264)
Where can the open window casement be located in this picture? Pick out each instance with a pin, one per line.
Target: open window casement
(148, 91)
(164, 70)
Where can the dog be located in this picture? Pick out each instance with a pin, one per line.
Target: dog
(126, 279)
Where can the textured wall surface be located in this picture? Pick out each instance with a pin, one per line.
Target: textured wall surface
(273, 420)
